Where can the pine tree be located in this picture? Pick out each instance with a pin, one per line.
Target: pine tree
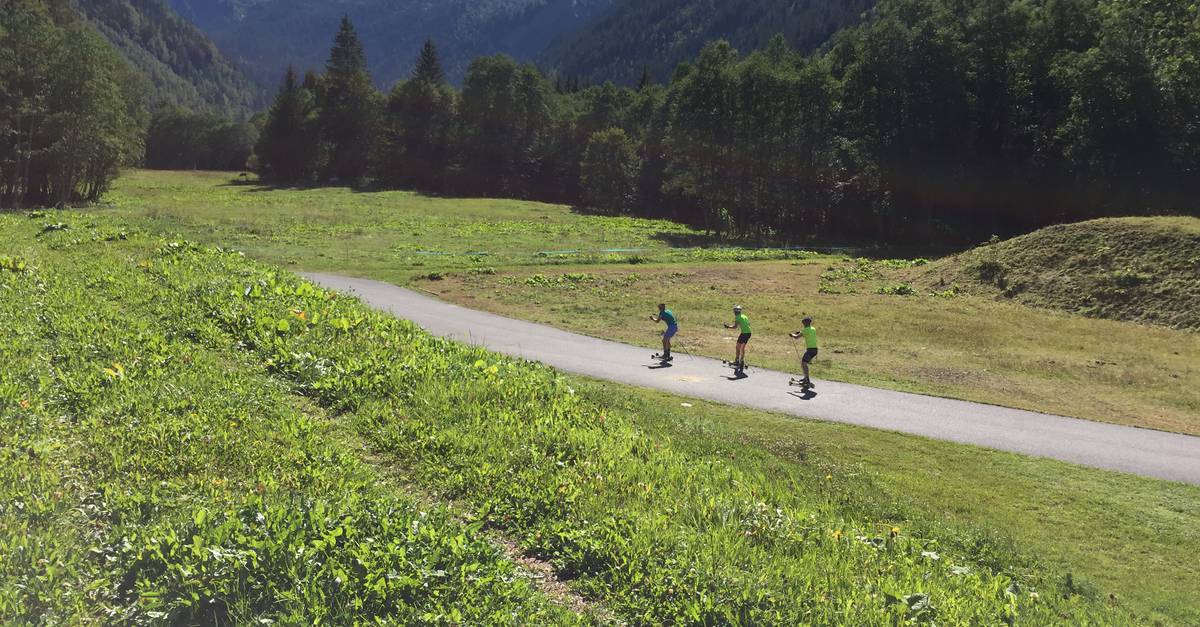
(646, 80)
(288, 148)
(418, 127)
(348, 105)
(429, 67)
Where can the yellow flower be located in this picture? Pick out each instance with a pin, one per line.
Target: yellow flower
(837, 535)
(829, 477)
(895, 531)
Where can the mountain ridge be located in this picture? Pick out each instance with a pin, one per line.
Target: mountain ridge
(266, 36)
(184, 66)
(658, 35)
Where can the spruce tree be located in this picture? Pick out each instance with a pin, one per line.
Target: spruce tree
(288, 147)
(429, 67)
(645, 81)
(348, 105)
(418, 127)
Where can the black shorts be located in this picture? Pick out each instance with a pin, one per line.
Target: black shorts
(809, 355)
(744, 338)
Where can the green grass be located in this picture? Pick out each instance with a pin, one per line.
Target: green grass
(152, 473)
(158, 367)
(1137, 269)
(973, 348)
(873, 330)
(1132, 538)
(390, 235)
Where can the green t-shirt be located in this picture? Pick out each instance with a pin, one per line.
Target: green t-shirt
(810, 337)
(667, 317)
(743, 322)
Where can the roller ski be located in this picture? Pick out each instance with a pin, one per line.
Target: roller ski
(804, 384)
(738, 367)
(662, 358)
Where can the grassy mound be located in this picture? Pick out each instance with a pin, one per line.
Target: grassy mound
(180, 436)
(1137, 269)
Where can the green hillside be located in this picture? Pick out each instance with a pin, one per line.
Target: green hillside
(660, 34)
(268, 35)
(1134, 269)
(184, 67)
(194, 438)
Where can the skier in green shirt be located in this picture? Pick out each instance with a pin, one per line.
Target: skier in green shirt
(810, 342)
(740, 321)
(665, 315)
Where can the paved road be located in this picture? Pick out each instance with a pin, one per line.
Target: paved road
(1127, 449)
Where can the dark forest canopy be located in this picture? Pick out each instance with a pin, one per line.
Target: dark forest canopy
(933, 119)
(656, 35)
(181, 139)
(184, 67)
(71, 109)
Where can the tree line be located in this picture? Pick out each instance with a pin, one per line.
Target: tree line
(932, 118)
(71, 110)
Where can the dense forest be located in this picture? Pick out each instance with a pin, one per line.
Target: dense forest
(657, 35)
(932, 119)
(267, 35)
(181, 139)
(184, 67)
(71, 109)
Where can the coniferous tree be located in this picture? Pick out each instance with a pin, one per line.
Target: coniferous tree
(428, 68)
(645, 81)
(348, 107)
(932, 117)
(287, 151)
(418, 126)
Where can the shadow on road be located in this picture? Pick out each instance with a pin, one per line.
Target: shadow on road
(806, 395)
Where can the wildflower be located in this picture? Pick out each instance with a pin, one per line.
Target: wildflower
(837, 534)
(895, 531)
(829, 477)
(1033, 595)
(24, 404)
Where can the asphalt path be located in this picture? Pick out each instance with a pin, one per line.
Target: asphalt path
(1143, 452)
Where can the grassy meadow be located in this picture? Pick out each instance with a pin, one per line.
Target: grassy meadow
(973, 348)
(546, 263)
(193, 436)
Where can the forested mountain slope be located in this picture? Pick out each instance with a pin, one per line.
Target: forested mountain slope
(659, 34)
(267, 35)
(184, 66)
